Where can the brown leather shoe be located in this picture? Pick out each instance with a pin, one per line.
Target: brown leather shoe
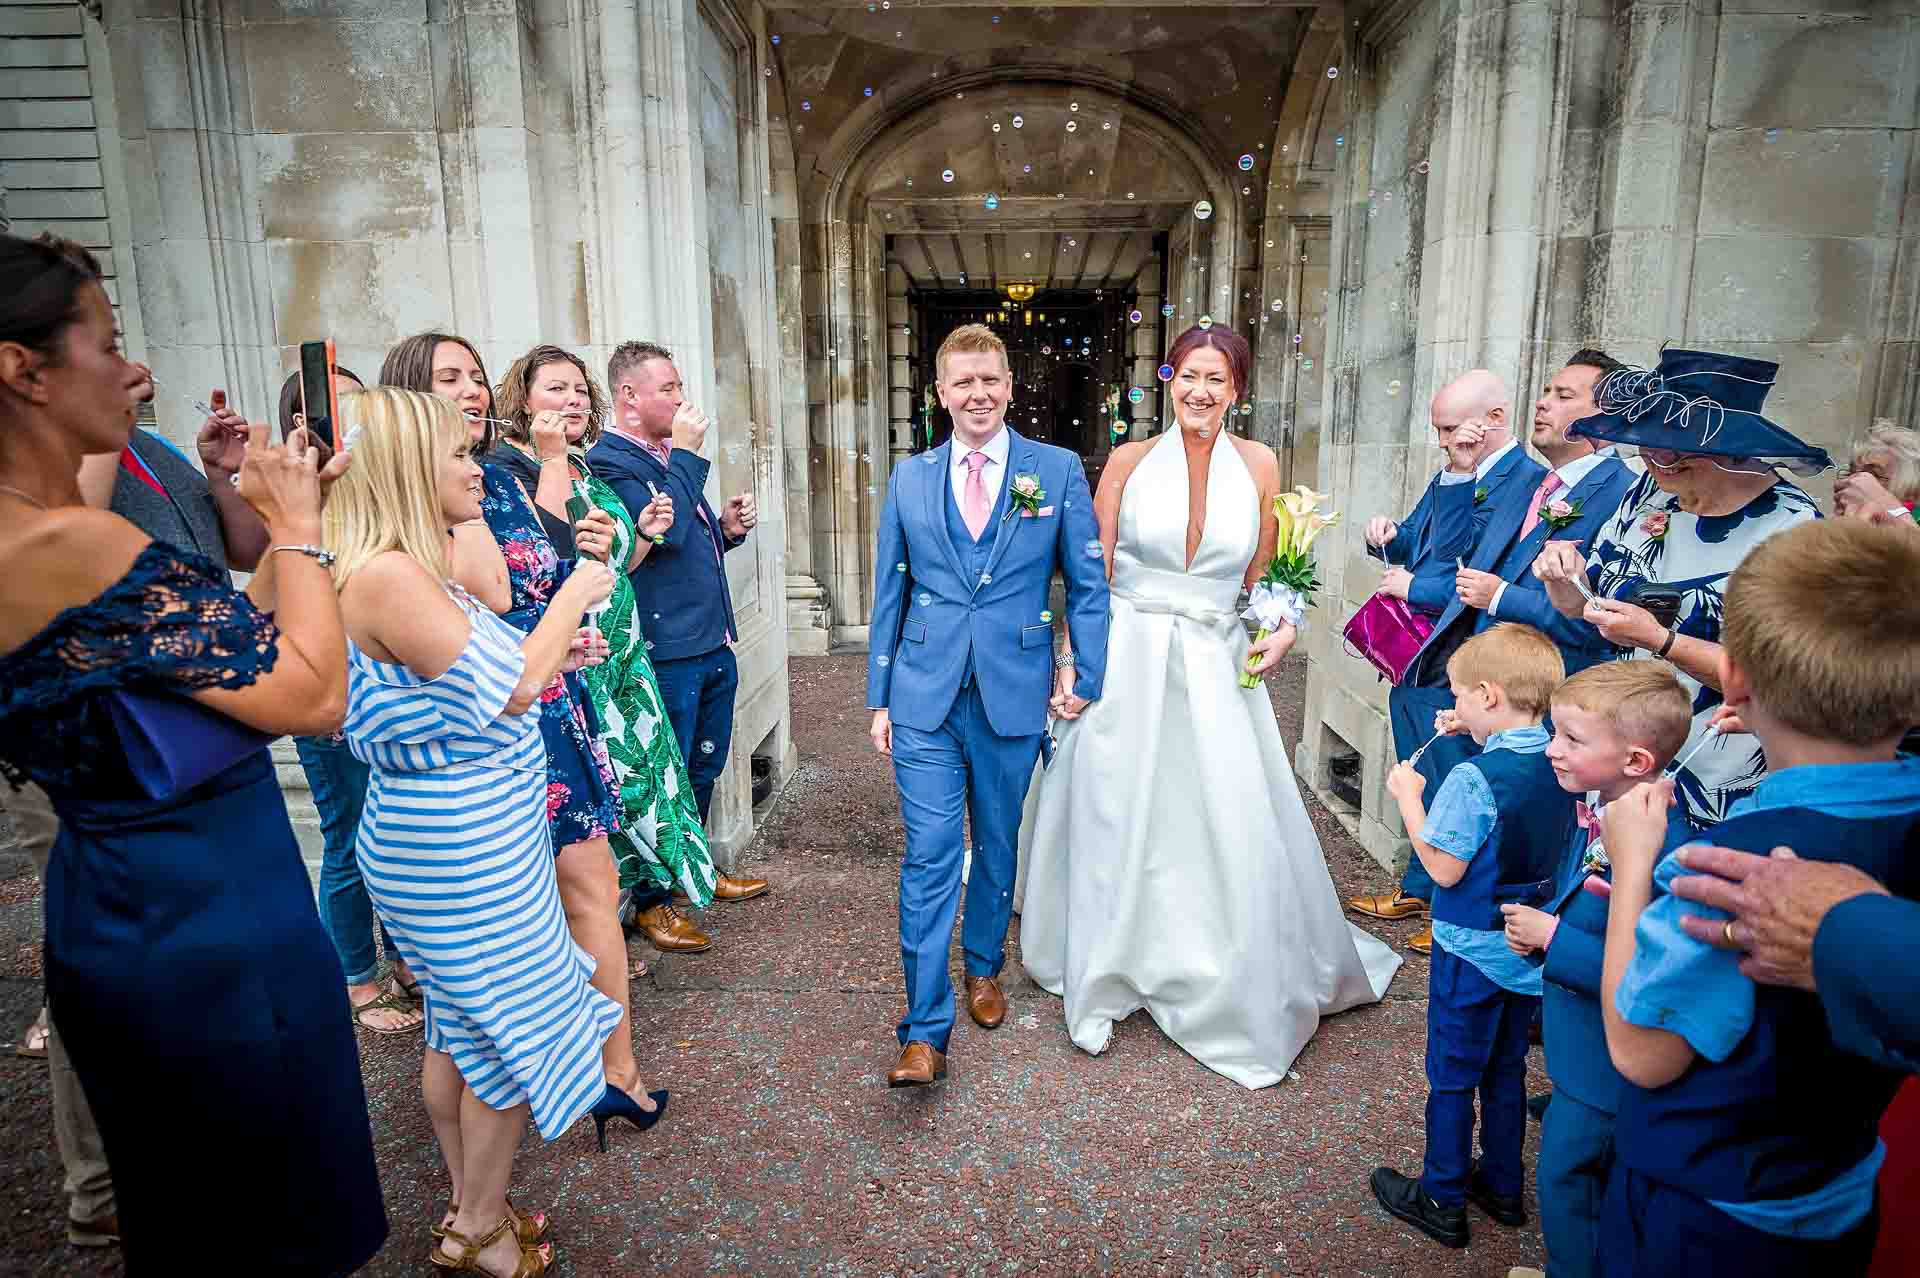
(919, 1065)
(1387, 905)
(728, 888)
(985, 1003)
(101, 1231)
(1421, 942)
(670, 932)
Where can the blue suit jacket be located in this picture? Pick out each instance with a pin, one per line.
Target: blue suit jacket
(1864, 957)
(1499, 548)
(680, 587)
(1446, 523)
(929, 614)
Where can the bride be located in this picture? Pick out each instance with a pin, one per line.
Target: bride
(1166, 857)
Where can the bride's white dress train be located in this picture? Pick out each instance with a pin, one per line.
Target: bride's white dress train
(1166, 856)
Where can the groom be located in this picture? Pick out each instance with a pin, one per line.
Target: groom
(959, 671)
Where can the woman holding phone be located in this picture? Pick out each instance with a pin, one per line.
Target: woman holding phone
(199, 997)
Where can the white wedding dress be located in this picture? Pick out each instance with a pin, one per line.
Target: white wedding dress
(1166, 857)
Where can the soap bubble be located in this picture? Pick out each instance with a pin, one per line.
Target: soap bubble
(993, 202)
(1073, 106)
(1206, 322)
(1296, 339)
(1106, 124)
(1246, 190)
(1017, 121)
(1246, 410)
(1393, 387)
(1026, 168)
(1165, 372)
(1119, 429)
(1333, 73)
(1133, 317)
(1166, 308)
(867, 92)
(1073, 243)
(1094, 550)
(776, 39)
(1203, 210)
(946, 175)
(925, 600)
(1246, 164)
(1046, 350)
(1423, 167)
(1339, 139)
(1135, 395)
(1278, 306)
(996, 126)
(1773, 135)
(1071, 126)
(805, 105)
(1306, 363)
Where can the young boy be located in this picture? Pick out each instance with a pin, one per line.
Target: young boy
(1615, 726)
(1497, 833)
(1746, 1145)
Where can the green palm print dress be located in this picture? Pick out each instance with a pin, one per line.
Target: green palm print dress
(660, 840)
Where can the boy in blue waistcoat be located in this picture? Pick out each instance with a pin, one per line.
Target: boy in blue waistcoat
(1496, 835)
(1615, 725)
(1747, 1143)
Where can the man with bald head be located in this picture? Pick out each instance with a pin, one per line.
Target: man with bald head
(1486, 473)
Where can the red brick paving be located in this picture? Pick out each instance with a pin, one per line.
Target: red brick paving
(784, 1154)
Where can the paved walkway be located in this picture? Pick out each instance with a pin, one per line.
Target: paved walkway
(785, 1154)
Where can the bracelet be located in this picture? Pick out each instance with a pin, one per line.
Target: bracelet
(1667, 647)
(1063, 661)
(318, 553)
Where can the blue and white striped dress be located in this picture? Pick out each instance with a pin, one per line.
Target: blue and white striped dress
(456, 855)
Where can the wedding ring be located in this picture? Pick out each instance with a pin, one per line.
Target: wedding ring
(1727, 931)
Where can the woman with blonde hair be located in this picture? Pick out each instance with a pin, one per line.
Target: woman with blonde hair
(551, 408)
(453, 843)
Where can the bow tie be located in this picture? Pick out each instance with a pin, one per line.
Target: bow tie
(1587, 818)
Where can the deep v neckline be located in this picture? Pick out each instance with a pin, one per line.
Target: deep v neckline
(1192, 546)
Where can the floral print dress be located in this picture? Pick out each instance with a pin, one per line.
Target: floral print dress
(1650, 539)
(660, 840)
(582, 800)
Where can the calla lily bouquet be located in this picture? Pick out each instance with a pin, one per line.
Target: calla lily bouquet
(1284, 591)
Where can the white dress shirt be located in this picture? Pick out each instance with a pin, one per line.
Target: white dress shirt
(993, 474)
(1571, 473)
(1480, 471)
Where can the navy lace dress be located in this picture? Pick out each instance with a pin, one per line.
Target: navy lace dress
(186, 966)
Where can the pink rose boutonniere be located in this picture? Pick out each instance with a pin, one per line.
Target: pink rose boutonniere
(1559, 514)
(1655, 525)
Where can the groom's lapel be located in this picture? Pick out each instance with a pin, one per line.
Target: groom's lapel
(1022, 458)
(933, 487)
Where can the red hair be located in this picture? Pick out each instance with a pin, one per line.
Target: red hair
(1220, 338)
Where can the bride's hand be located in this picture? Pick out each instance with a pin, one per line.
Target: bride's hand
(1272, 650)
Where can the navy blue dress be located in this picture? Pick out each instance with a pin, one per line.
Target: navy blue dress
(197, 992)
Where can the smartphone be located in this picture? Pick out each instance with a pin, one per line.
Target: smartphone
(578, 508)
(1662, 601)
(317, 402)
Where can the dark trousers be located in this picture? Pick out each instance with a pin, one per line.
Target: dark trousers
(1651, 1230)
(699, 692)
(1412, 711)
(1576, 1157)
(1476, 1042)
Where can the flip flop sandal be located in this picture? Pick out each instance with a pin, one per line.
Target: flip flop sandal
(386, 1003)
(409, 989)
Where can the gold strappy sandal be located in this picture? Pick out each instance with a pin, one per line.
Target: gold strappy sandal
(532, 1263)
(529, 1226)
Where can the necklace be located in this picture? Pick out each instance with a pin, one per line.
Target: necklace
(26, 497)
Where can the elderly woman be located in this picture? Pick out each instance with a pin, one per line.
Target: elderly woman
(1710, 495)
(1882, 482)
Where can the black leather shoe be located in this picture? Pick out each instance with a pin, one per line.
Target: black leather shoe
(1403, 1197)
(1537, 1106)
(1504, 1210)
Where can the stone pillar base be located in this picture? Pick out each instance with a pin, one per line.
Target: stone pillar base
(809, 625)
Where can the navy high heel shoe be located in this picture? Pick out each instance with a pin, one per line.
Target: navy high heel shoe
(617, 1104)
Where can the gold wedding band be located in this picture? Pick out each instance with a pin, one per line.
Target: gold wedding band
(1727, 931)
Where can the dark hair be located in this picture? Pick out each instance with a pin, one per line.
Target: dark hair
(41, 281)
(1220, 338)
(409, 365)
(290, 396)
(1591, 357)
(628, 356)
(510, 397)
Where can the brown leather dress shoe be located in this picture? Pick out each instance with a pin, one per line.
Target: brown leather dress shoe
(670, 932)
(1421, 942)
(101, 1231)
(985, 1003)
(1387, 905)
(728, 888)
(919, 1065)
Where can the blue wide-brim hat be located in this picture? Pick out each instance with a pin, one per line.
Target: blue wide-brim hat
(1698, 402)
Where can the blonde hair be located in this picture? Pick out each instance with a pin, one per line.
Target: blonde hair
(390, 498)
(1902, 446)
(969, 339)
(1517, 659)
(510, 396)
(1822, 619)
(1643, 701)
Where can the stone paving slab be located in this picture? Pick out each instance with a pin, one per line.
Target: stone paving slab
(784, 1154)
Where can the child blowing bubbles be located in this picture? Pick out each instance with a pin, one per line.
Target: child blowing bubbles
(1615, 726)
(1496, 835)
(1746, 1144)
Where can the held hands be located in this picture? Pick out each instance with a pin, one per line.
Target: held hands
(1528, 929)
(550, 434)
(284, 483)
(655, 517)
(1475, 588)
(1560, 561)
(1271, 651)
(1064, 704)
(738, 519)
(222, 440)
(594, 535)
(1403, 782)
(1627, 625)
(1396, 582)
(1380, 531)
(1635, 825)
(689, 428)
(881, 733)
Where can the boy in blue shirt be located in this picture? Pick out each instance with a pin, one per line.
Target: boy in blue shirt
(1615, 725)
(1747, 1143)
(1496, 835)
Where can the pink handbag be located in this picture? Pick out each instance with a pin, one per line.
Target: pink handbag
(1388, 632)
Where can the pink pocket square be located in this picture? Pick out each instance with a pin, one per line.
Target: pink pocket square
(1043, 512)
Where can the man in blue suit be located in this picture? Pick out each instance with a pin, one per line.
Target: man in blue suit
(1487, 474)
(960, 668)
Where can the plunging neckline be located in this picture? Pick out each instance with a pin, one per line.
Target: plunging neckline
(1192, 546)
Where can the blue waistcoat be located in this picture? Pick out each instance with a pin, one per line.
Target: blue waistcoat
(973, 554)
(1788, 1110)
(1522, 856)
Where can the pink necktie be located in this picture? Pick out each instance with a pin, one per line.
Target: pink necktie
(975, 507)
(1541, 495)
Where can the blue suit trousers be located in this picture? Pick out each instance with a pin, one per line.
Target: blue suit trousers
(1651, 1230)
(1476, 1042)
(1576, 1155)
(961, 770)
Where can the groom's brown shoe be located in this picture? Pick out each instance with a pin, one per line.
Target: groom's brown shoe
(1387, 905)
(985, 1003)
(919, 1065)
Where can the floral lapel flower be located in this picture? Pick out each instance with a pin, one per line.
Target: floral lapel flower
(1025, 495)
(1655, 524)
(1559, 514)
(1480, 495)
